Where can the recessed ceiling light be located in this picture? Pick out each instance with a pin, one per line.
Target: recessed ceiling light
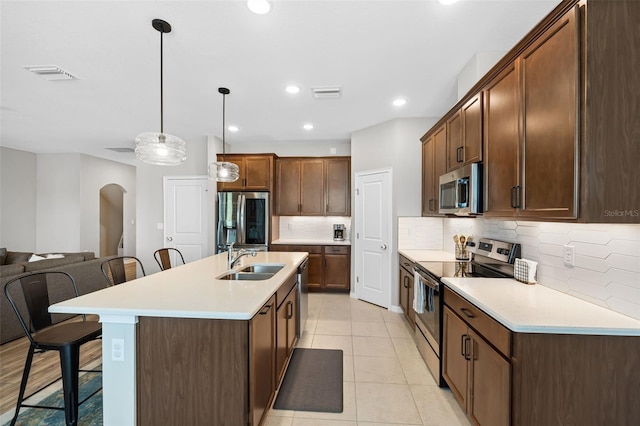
(399, 102)
(259, 7)
(233, 128)
(308, 126)
(447, 1)
(292, 89)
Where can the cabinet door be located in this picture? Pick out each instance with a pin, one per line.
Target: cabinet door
(293, 302)
(316, 271)
(239, 184)
(288, 187)
(454, 363)
(428, 177)
(312, 188)
(550, 152)
(336, 268)
(258, 171)
(406, 295)
(262, 358)
(338, 184)
(472, 130)
(501, 143)
(440, 163)
(455, 146)
(286, 331)
(489, 403)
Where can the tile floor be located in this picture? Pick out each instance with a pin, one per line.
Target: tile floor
(385, 380)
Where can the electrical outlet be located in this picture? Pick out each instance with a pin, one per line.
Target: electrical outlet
(569, 255)
(290, 226)
(117, 350)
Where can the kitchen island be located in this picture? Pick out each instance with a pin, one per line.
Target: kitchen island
(177, 344)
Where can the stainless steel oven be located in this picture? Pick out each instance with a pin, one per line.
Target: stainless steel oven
(428, 308)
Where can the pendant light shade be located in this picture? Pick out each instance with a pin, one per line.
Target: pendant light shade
(160, 148)
(224, 171)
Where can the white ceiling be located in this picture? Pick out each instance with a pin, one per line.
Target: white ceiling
(375, 50)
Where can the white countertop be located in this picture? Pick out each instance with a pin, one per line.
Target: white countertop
(539, 309)
(428, 255)
(311, 242)
(189, 291)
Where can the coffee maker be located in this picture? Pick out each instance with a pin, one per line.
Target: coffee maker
(338, 232)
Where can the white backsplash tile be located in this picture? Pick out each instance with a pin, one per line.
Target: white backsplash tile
(419, 233)
(312, 227)
(607, 256)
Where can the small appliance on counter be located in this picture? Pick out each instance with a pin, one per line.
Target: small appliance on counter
(338, 232)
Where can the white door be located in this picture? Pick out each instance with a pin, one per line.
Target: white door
(186, 222)
(373, 234)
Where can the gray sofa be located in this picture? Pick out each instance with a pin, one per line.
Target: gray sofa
(84, 267)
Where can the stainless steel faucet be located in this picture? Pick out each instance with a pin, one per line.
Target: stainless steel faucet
(239, 254)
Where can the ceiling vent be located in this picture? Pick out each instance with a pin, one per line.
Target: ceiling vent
(121, 149)
(50, 72)
(326, 92)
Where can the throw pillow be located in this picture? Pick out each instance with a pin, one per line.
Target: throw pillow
(17, 257)
(35, 258)
(3, 255)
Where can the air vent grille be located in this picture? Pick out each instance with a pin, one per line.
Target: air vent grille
(326, 92)
(50, 72)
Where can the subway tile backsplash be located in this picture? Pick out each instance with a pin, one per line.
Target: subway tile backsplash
(419, 233)
(311, 227)
(607, 256)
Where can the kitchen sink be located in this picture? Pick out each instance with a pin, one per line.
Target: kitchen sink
(251, 276)
(271, 268)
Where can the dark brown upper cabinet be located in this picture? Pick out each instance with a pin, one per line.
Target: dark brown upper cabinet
(257, 172)
(464, 134)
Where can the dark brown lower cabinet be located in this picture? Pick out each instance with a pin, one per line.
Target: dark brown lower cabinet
(206, 372)
(500, 377)
(405, 285)
(287, 331)
(329, 265)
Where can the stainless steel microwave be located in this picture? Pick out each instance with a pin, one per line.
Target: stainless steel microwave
(461, 191)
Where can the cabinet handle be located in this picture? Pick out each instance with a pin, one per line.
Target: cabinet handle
(431, 200)
(467, 355)
(289, 310)
(405, 279)
(265, 310)
(515, 197)
(299, 208)
(460, 154)
(463, 345)
(467, 312)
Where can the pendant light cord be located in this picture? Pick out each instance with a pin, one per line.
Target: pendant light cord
(224, 108)
(161, 87)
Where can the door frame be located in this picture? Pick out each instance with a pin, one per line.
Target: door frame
(357, 252)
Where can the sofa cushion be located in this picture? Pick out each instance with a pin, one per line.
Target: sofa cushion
(6, 270)
(17, 257)
(52, 263)
(88, 255)
(3, 255)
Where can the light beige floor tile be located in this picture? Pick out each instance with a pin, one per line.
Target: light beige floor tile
(366, 314)
(416, 371)
(322, 422)
(399, 329)
(405, 347)
(347, 369)
(334, 327)
(373, 346)
(348, 408)
(390, 316)
(373, 369)
(375, 329)
(311, 326)
(278, 421)
(305, 341)
(321, 341)
(280, 413)
(334, 314)
(390, 403)
(383, 424)
(453, 403)
(434, 407)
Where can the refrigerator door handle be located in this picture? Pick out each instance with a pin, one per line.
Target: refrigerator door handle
(221, 209)
(241, 220)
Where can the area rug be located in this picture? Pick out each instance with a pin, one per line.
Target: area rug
(89, 412)
(313, 382)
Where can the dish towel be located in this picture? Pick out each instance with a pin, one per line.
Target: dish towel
(418, 293)
(430, 306)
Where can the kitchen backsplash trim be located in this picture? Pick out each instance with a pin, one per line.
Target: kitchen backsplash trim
(607, 256)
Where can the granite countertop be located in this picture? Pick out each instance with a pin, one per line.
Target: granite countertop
(189, 291)
(311, 242)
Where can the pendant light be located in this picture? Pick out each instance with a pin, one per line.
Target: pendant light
(161, 148)
(224, 171)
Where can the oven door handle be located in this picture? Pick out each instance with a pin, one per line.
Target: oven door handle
(428, 281)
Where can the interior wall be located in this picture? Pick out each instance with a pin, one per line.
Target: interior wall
(111, 219)
(150, 200)
(18, 189)
(475, 69)
(293, 149)
(393, 144)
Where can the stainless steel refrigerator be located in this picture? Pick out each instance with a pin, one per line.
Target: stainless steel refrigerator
(243, 219)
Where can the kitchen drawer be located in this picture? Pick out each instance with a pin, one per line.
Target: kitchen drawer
(296, 248)
(336, 249)
(285, 288)
(492, 331)
(406, 263)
